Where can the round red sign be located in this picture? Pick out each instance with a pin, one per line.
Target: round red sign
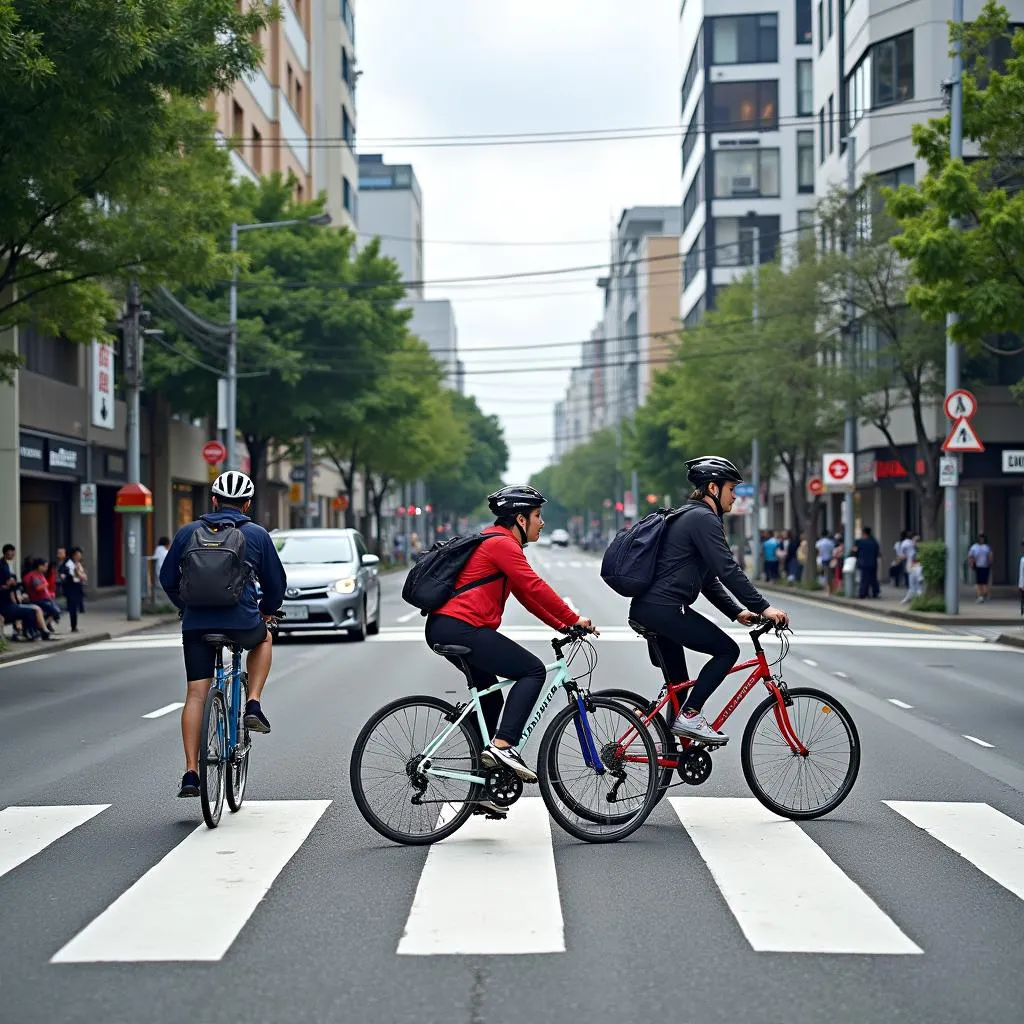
(214, 452)
(815, 485)
(838, 469)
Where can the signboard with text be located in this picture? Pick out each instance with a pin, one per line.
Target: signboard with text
(102, 378)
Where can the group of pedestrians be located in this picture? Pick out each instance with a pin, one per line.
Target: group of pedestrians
(29, 599)
(782, 553)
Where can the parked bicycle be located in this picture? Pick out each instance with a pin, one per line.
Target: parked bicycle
(800, 750)
(416, 772)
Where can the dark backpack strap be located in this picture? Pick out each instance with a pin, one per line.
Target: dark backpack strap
(478, 583)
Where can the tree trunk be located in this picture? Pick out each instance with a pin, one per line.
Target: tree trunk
(257, 448)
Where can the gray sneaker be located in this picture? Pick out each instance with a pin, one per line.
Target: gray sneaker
(696, 727)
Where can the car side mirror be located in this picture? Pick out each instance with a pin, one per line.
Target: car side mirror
(370, 559)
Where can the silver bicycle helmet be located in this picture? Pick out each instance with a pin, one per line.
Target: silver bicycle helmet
(233, 486)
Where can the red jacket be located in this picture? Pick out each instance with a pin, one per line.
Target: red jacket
(483, 605)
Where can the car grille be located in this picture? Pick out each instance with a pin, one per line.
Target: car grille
(305, 593)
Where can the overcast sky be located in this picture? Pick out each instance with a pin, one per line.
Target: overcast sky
(471, 67)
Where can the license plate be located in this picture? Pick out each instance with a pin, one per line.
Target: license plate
(296, 612)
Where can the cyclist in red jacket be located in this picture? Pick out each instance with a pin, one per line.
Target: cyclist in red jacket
(471, 619)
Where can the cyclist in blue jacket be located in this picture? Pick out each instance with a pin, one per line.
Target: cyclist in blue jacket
(244, 622)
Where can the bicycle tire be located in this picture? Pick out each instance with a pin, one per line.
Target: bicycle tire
(666, 741)
(238, 762)
(213, 757)
(750, 774)
(362, 801)
(623, 825)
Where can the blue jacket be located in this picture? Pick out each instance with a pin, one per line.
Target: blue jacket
(260, 553)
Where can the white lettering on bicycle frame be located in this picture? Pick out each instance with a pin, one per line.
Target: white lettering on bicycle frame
(541, 706)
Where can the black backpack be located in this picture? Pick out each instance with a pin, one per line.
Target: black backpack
(630, 562)
(213, 567)
(431, 581)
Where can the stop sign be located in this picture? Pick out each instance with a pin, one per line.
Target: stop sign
(214, 452)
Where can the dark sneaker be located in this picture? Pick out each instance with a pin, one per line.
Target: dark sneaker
(189, 784)
(255, 720)
(508, 757)
(491, 809)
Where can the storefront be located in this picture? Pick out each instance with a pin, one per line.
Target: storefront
(189, 502)
(51, 469)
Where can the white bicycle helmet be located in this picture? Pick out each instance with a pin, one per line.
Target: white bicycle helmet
(233, 486)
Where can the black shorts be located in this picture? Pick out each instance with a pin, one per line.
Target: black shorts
(200, 656)
(981, 574)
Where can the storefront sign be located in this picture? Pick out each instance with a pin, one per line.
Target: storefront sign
(102, 376)
(87, 499)
(114, 466)
(65, 457)
(1013, 461)
(31, 451)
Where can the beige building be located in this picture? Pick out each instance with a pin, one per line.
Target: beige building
(660, 283)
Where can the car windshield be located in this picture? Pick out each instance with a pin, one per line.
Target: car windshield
(313, 550)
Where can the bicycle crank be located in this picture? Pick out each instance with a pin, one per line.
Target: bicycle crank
(695, 767)
(503, 787)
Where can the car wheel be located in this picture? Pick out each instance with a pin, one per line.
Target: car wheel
(373, 628)
(359, 633)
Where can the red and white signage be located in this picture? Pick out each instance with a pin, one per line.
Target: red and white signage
(816, 485)
(960, 407)
(837, 470)
(102, 385)
(214, 452)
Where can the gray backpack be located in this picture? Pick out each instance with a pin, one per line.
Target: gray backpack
(213, 567)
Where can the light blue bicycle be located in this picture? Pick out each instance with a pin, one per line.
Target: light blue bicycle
(417, 776)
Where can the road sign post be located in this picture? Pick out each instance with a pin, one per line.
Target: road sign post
(960, 406)
(837, 471)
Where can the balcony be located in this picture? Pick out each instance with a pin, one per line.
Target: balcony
(292, 131)
(262, 92)
(295, 35)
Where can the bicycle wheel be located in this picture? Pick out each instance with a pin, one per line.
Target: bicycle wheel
(213, 741)
(383, 779)
(598, 808)
(801, 786)
(238, 762)
(664, 741)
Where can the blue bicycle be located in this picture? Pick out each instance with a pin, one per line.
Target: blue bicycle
(417, 774)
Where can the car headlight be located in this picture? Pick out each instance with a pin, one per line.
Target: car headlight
(345, 586)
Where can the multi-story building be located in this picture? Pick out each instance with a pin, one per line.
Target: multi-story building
(879, 65)
(267, 118)
(582, 412)
(335, 170)
(392, 210)
(747, 108)
(641, 313)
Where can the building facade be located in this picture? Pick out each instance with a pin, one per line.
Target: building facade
(392, 210)
(433, 322)
(747, 109)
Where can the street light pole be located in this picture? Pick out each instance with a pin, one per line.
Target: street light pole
(850, 431)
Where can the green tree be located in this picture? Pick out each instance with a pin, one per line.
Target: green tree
(315, 325)
(108, 164)
(648, 440)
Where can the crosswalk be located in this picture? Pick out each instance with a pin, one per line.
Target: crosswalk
(496, 888)
(622, 634)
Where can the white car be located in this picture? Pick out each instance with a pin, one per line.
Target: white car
(560, 537)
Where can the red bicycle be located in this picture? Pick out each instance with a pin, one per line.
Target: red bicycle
(800, 750)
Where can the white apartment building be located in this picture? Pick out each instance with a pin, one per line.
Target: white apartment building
(335, 171)
(433, 322)
(879, 69)
(747, 107)
(392, 209)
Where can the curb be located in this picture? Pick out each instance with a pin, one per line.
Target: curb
(930, 618)
(25, 651)
(1010, 640)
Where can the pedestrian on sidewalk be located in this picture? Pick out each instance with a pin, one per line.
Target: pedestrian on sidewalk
(37, 586)
(157, 558)
(770, 548)
(826, 548)
(915, 580)
(868, 552)
(75, 578)
(979, 557)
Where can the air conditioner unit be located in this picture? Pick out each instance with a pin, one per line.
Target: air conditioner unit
(744, 183)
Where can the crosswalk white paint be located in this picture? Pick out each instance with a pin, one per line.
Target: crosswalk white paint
(992, 841)
(489, 889)
(26, 831)
(785, 893)
(165, 710)
(193, 903)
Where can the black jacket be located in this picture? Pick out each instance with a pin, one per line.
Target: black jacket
(695, 559)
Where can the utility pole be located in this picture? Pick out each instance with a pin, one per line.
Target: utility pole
(307, 446)
(755, 445)
(133, 520)
(952, 495)
(850, 429)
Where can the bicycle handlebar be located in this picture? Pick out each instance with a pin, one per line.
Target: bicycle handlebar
(572, 634)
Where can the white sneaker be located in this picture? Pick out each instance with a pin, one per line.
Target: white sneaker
(508, 757)
(491, 809)
(697, 727)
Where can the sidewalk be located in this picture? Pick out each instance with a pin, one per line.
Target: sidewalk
(104, 619)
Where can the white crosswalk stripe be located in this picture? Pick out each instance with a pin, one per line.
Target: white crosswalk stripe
(493, 888)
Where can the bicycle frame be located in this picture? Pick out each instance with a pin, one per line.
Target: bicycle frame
(560, 679)
(232, 695)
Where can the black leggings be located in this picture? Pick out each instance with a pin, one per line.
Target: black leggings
(678, 628)
(494, 656)
(75, 595)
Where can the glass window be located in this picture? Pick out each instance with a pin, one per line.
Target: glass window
(696, 314)
(746, 172)
(805, 161)
(821, 135)
(893, 70)
(694, 196)
(346, 194)
(348, 129)
(831, 124)
(821, 26)
(692, 70)
(805, 225)
(804, 88)
(804, 19)
(830, 24)
(858, 90)
(694, 261)
(737, 106)
(745, 39)
(693, 132)
(734, 240)
(295, 549)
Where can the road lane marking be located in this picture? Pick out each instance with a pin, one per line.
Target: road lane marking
(857, 614)
(165, 710)
(901, 704)
(811, 907)
(26, 831)
(992, 841)
(575, 565)
(841, 675)
(807, 661)
(458, 908)
(407, 616)
(193, 903)
(25, 661)
(981, 743)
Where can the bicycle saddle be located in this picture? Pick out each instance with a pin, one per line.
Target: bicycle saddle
(217, 639)
(452, 650)
(647, 634)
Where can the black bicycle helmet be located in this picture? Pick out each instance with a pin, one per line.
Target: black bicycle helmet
(510, 501)
(712, 469)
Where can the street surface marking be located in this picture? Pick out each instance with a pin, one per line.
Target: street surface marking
(490, 889)
(841, 675)
(807, 661)
(165, 710)
(575, 565)
(989, 839)
(26, 831)
(856, 613)
(194, 902)
(785, 893)
(981, 743)
(25, 661)
(408, 616)
(901, 704)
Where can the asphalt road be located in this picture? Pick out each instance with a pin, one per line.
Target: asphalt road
(117, 905)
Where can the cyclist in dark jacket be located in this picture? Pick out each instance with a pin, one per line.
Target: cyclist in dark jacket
(244, 622)
(695, 559)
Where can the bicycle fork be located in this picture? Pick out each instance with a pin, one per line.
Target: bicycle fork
(591, 756)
